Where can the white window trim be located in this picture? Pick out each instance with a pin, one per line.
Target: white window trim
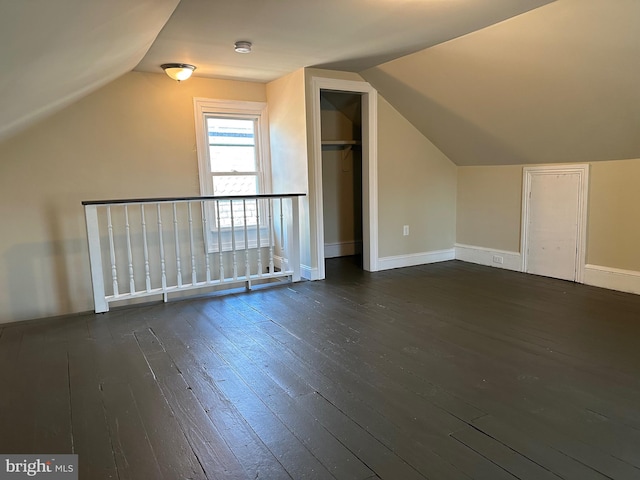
(232, 108)
(209, 106)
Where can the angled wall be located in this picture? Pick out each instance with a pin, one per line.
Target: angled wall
(557, 84)
(133, 138)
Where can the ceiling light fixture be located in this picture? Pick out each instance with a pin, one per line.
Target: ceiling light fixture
(178, 71)
(242, 46)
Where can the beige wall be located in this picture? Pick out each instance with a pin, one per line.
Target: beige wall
(416, 187)
(288, 138)
(133, 138)
(489, 207)
(489, 211)
(416, 183)
(341, 194)
(341, 176)
(288, 134)
(613, 235)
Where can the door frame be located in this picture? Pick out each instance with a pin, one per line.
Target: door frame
(583, 196)
(369, 168)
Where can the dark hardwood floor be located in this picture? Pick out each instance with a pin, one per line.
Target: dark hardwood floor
(443, 371)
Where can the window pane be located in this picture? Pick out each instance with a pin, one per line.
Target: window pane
(231, 144)
(232, 158)
(240, 212)
(230, 131)
(235, 185)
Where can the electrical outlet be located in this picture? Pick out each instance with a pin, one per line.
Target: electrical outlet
(498, 259)
(405, 230)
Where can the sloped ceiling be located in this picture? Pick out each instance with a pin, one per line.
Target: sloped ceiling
(55, 52)
(287, 35)
(554, 81)
(558, 84)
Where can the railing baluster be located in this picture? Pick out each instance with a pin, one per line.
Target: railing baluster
(161, 246)
(220, 260)
(205, 237)
(247, 271)
(283, 250)
(177, 240)
(294, 236)
(271, 234)
(280, 236)
(194, 276)
(259, 243)
(233, 243)
(112, 253)
(127, 228)
(145, 247)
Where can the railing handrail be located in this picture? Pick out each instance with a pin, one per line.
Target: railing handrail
(190, 199)
(121, 246)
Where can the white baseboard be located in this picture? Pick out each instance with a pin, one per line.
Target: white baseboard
(489, 257)
(612, 278)
(308, 273)
(341, 249)
(413, 259)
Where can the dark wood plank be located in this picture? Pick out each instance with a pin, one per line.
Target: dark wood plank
(507, 458)
(36, 409)
(539, 451)
(246, 445)
(206, 442)
(430, 427)
(91, 433)
(327, 449)
(444, 371)
(134, 455)
(292, 376)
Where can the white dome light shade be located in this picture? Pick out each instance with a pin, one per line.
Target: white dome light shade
(178, 71)
(242, 46)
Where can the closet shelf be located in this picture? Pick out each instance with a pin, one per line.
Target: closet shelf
(341, 142)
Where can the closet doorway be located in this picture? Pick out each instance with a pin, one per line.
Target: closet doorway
(345, 158)
(341, 139)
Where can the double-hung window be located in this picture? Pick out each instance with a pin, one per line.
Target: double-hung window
(233, 158)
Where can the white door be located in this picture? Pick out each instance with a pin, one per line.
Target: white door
(554, 228)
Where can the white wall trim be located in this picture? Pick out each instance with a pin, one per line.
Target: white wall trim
(342, 249)
(212, 106)
(612, 278)
(306, 271)
(369, 169)
(485, 256)
(309, 273)
(413, 259)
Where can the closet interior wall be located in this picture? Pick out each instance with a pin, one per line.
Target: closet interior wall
(341, 127)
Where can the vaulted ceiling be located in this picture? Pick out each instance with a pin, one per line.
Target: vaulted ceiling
(348, 35)
(488, 81)
(558, 84)
(54, 52)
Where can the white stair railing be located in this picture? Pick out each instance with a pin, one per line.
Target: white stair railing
(192, 243)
